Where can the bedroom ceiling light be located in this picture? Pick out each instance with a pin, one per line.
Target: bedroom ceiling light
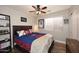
(38, 12)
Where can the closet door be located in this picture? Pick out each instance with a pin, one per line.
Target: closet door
(60, 29)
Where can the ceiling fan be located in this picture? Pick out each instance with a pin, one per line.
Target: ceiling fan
(38, 9)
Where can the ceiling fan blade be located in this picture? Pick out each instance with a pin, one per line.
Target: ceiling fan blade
(31, 11)
(48, 11)
(43, 12)
(44, 8)
(34, 7)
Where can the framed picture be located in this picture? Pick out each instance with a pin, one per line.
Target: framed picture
(41, 23)
(23, 19)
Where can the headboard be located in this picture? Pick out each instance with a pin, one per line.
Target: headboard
(18, 28)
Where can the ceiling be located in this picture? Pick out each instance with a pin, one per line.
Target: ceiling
(50, 8)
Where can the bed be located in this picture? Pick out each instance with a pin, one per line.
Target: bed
(34, 42)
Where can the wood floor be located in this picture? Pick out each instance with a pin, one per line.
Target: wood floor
(72, 46)
(58, 48)
(15, 50)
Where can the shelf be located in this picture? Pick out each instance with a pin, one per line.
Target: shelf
(4, 50)
(3, 41)
(4, 33)
(5, 38)
(4, 26)
(4, 19)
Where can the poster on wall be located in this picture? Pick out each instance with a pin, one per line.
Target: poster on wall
(41, 23)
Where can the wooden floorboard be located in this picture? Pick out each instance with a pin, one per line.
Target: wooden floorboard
(58, 48)
(72, 46)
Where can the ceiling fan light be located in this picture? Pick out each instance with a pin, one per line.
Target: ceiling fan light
(38, 12)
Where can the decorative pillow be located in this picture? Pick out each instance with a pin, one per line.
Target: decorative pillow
(26, 32)
(21, 33)
(30, 31)
(18, 32)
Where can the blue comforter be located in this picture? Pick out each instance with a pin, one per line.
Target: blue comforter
(29, 38)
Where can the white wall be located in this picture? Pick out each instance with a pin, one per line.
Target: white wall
(74, 23)
(15, 17)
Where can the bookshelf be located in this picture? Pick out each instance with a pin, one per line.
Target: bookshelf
(5, 34)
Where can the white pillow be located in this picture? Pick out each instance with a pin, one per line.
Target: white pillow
(20, 33)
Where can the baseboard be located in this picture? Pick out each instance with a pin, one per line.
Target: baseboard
(64, 42)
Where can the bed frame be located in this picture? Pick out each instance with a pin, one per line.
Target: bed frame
(18, 28)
